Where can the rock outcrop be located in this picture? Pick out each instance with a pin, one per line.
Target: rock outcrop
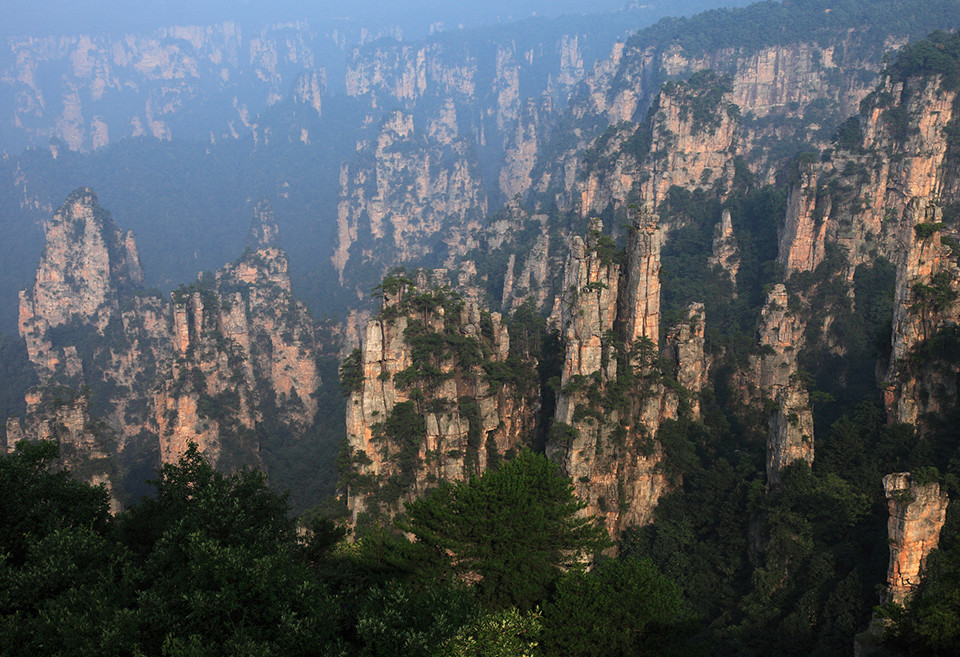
(925, 310)
(773, 375)
(917, 514)
(790, 435)
(435, 396)
(683, 347)
(401, 193)
(87, 264)
(109, 87)
(612, 398)
(231, 353)
(736, 104)
(640, 303)
(726, 251)
(63, 416)
(694, 137)
(243, 348)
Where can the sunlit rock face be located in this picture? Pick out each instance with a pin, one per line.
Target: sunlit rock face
(917, 514)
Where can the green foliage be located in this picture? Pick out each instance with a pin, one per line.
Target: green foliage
(938, 54)
(763, 24)
(504, 633)
(214, 558)
(849, 135)
(351, 373)
(936, 295)
(606, 248)
(622, 608)
(701, 99)
(513, 527)
(399, 620)
(58, 572)
(926, 230)
(392, 284)
(940, 351)
(38, 502)
(405, 429)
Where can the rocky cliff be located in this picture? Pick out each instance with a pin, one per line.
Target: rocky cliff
(894, 151)
(110, 87)
(435, 395)
(403, 192)
(613, 396)
(62, 415)
(245, 355)
(231, 354)
(87, 264)
(921, 378)
(736, 103)
(917, 514)
(878, 195)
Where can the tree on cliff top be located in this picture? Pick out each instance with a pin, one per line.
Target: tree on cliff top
(514, 528)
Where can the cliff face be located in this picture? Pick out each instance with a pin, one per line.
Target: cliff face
(500, 90)
(917, 514)
(878, 196)
(895, 151)
(533, 259)
(612, 397)
(86, 264)
(435, 396)
(244, 349)
(403, 191)
(227, 355)
(925, 307)
(63, 416)
(110, 87)
(773, 375)
(694, 137)
(735, 104)
(684, 349)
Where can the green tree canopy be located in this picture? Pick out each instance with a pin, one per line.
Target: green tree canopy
(513, 528)
(623, 607)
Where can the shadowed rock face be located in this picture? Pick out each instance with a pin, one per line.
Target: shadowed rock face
(87, 264)
(917, 514)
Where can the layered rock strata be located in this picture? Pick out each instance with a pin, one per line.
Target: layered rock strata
(925, 309)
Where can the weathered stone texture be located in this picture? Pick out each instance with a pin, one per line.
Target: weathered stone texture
(917, 514)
